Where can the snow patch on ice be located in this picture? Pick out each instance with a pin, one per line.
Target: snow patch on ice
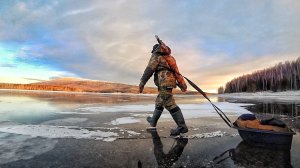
(208, 135)
(124, 120)
(56, 131)
(140, 115)
(109, 139)
(132, 132)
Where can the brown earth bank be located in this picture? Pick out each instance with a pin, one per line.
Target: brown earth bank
(82, 85)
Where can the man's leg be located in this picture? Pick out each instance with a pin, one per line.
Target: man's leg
(157, 112)
(178, 118)
(171, 106)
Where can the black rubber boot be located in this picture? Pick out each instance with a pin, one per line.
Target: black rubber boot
(153, 120)
(178, 118)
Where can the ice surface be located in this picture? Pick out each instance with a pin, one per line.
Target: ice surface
(20, 147)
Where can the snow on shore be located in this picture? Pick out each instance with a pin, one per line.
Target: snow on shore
(284, 96)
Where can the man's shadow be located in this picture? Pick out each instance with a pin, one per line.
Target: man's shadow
(166, 160)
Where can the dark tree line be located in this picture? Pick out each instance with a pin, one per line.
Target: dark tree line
(281, 77)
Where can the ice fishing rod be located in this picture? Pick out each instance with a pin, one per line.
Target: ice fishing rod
(219, 111)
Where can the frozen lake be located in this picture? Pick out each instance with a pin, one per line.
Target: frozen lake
(46, 129)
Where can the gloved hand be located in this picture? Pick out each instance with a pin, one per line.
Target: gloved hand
(183, 88)
(141, 87)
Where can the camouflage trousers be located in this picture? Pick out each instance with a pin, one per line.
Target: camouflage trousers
(165, 99)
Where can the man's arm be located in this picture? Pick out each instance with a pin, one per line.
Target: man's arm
(180, 81)
(150, 69)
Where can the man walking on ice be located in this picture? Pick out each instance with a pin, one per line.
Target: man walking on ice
(166, 77)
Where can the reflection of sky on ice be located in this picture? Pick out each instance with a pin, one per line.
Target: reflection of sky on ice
(25, 109)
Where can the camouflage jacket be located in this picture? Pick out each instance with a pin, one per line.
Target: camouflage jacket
(160, 64)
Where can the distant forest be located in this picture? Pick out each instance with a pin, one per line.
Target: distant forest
(38, 87)
(281, 77)
(84, 86)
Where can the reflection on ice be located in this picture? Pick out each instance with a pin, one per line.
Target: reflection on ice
(25, 109)
(166, 159)
(245, 155)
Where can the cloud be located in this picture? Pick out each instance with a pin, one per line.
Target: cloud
(33, 79)
(111, 40)
(80, 11)
(8, 65)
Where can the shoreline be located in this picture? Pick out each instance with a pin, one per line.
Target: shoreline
(96, 93)
(266, 93)
(292, 95)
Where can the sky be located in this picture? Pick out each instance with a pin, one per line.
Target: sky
(212, 41)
